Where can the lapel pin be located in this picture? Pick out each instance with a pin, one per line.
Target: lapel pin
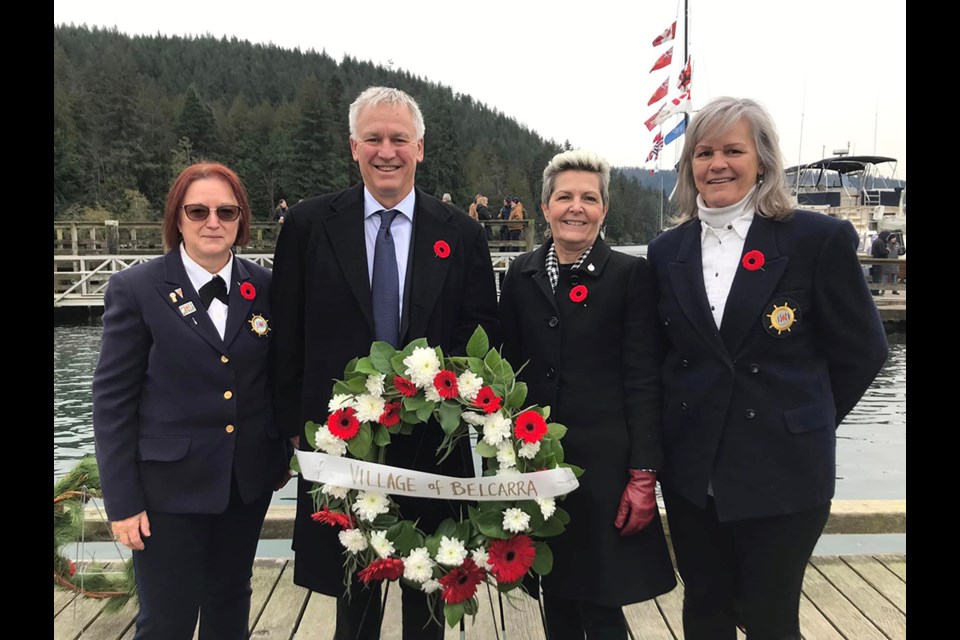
(259, 325)
(179, 292)
(753, 260)
(782, 314)
(173, 297)
(590, 267)
(248, 291)
(187, 308)
(441, 249)
(578, 293)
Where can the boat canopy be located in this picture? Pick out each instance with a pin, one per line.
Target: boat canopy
(842, 164)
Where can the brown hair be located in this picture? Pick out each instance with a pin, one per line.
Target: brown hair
(201, 171)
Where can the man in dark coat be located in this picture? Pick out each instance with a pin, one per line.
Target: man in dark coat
(878, 250)
(324, 317)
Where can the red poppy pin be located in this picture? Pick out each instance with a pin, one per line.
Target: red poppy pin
(753, 260)
(441, 249)
(578, 293)
(248, 291)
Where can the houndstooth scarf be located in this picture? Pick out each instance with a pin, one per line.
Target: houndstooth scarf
(553, 265)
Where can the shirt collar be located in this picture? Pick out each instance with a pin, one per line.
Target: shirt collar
(405, 206)
(200, 276)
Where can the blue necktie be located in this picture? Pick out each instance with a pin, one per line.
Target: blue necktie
(386, 283)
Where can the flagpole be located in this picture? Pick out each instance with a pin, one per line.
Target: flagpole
(686, 55)
(803, 108)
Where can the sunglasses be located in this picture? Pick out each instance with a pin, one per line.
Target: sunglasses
(199, 212)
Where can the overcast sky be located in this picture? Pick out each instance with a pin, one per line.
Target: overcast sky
(831, 72)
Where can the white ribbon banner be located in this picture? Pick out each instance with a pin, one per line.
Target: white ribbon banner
(368, 476)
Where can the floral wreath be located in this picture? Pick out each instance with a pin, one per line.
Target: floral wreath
(388, 394)
(70, 494)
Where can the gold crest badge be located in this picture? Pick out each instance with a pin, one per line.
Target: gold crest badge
(259, 325)
(781, 317)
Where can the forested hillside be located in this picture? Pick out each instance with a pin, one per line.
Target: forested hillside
(131, 112)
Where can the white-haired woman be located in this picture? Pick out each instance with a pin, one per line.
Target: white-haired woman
(581, 316)
(771, 338)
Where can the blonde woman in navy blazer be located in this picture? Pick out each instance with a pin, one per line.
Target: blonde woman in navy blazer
(771, 339)
(187, 448)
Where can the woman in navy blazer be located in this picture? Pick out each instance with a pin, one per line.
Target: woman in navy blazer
(771, 338)
(186, 445)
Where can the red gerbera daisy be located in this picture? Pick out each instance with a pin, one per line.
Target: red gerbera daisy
(445, 383)
(461, 583)
(382, 569)
(332, 518)
(391, 414)
(343, 423)
(530, 427)
(511, 559)
(487, 400)
(753, 260)
(404, 387)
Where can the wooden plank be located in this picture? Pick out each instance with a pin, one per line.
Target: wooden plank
(813, 625)
(876, 608)
(671, 608)
(113, 626)
(266, 574)
(896, 563)
(847, 619)
(61, 599)
(319, 618)
(72, 621)
(282, 611)
(646, 622)
(880, 578)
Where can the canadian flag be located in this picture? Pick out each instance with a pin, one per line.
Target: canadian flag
(660, 93)
(663, 60)
(667, 35)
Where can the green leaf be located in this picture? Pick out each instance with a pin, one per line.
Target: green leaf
(471, 606)
(517, 396)
(475, 365)
(490, 524)
(405, 537)
(381, 437)
(504, 371)
(351, 369)
(358, 385)
(492, 359)
(453, 613)
(543, 561)
(419, 342)
(294, 463)
(311, 431)
(485, 450)
(342, 387)
(359, 445)
(398, 367)
(550, 528)
(365, 366)
(425, 411)
(545, 412)
(408, 418)
(381, 355)
(562, 516)
(447, 528)
(479, 344)
(415, 403)
(577, 471)
(556, 430)
(449, 416)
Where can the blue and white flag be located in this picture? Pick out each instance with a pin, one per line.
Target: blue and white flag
(676, 132)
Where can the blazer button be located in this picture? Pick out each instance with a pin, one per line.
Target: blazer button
(666, 321)
(553, 322)
(227, 395)
(229, 428)
(754, 368)
(750, 414)
(683, 406)
(684, 363)
(551, 373)
(224, 359)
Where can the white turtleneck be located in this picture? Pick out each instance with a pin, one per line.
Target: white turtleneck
(722, 234)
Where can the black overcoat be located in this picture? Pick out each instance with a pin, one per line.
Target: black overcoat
(754, 405)
(595, 364)
(324, 319)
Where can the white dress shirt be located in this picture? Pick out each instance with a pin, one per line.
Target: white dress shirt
(722, 235)
(401, 229)
(199, 277)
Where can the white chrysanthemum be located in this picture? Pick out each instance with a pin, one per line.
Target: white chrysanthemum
(329, 443)
(515, 520)
(353, 540)
(369, 505)
(430, 393)
(476, 419)
(430, 586)
(547, 507)
(469, 385)
(369, 408)
(452, 553)
(375, 384)
(422, 366)
(334, 491)
(506, 456)
(340, 401)
(481, 557)
(382, 546)
(497, 429)
(529, 450)
(418, 566)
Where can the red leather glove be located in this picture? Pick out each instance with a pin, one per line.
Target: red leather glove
(638, 505)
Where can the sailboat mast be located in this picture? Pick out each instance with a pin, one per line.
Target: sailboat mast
(683, 60)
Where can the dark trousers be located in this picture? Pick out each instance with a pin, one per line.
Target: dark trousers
(199, 564)
(359, 618)
(747, 571)
(578, 619)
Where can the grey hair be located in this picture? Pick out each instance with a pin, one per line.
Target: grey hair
(576, 160)
(376, 96)
(720, 114)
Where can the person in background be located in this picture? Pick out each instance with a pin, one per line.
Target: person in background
(515, 231)
(326, 268)
(281, 211)
(878, 249)
(581, 316)
(505, 215)
(446, 199)
(188, 451)
(479, 212)
(891, 272)
(771, 339)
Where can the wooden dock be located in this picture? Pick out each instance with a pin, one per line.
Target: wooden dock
(857, 597)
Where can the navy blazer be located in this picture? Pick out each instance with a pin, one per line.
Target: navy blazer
(176, 409)
(754, 406)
